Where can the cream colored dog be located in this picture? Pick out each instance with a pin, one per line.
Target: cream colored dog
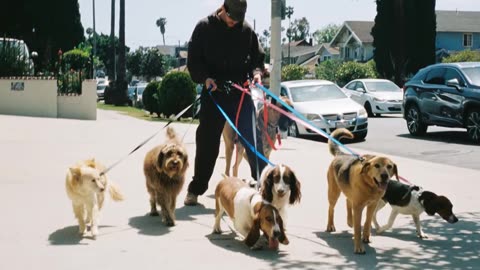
(86, 187)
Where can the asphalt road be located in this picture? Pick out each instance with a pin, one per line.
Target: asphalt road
(389, 135)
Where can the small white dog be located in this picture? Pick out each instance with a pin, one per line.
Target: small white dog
(86, 187)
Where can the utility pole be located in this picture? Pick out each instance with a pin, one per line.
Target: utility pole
(94, 41)
(113, 66)
(275, 47)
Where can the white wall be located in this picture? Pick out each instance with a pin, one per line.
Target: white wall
(39, 98)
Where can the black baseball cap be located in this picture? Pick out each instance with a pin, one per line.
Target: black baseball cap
(236, 9)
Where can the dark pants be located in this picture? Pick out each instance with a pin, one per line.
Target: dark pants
(209, 132)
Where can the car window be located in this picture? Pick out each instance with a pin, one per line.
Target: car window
(316, 92)
(453, 74)
(351, 86)
(283, 92)
(435, 76)
(382, 86)
(360, 85)
(473, 73)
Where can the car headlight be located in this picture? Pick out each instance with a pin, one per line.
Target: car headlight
(362, 113)
(312, 116)
(378, 99)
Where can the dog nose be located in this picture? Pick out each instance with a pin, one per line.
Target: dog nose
(276, 234)
(452, 219)
(102, 189)
(384, 177)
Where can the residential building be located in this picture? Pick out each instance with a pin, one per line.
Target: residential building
(457, 30)
(354, 41)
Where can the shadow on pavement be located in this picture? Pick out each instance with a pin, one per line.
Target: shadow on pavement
(69, 236)
(458, 137)
(187, 212)
(149, 225)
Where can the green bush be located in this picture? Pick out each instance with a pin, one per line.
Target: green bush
(150, 98)
(353, 70)
(327, 70)
(76, 59)
(177, 91)
(293, 72)
(463, 56)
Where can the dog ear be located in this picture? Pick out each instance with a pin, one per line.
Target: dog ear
(161, 157)
(90, 163)
(429, 203)
(295, 193)
(395, 171)
(254, 233)
(76, 172)
(283, 237)
(365, 167)
(267, 185)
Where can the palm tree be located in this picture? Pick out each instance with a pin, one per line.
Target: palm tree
(289, 13)
(112, 69)
(161, 23)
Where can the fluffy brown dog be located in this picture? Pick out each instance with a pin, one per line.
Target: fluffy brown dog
(85, 186)
(276, 121)
(164, 169)
(363, 181)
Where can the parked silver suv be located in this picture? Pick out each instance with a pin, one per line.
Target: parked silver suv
(23, 53)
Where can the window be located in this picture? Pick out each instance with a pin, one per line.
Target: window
(351, 86)
(435, 76)
(283, 92)
(453, 74)
(467, 40)
(326, 57)
(360, 86)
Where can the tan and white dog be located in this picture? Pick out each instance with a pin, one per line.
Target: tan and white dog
(85, 186)
(250, 214)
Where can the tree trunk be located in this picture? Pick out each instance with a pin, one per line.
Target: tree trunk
(121, 87)
(400, 55)
(113, 65)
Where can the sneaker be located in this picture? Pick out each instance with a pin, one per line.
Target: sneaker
(191, 199)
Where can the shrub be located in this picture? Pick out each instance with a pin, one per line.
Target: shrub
(463, 56)
(353, 70)
(150, 97)
(327, 70)
(293, 72)
(76, 59)
(177, 91)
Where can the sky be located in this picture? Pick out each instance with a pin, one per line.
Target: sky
(182, 16)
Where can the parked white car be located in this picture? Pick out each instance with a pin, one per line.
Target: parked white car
(377, 96)
(326, 106)
(23, 52)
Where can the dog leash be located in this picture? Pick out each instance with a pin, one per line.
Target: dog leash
(149, 138)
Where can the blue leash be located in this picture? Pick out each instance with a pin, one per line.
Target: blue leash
(299, 115)
(238, 132)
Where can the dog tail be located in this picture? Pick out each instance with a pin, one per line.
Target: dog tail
(338, 134)
(171, 134)
(115, 193)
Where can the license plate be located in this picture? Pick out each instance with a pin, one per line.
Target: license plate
(340, 124)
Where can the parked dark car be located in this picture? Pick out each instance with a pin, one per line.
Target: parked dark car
(445, 95)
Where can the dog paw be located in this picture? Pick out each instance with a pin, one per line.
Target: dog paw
(217, 230)
(359, 250)
(153, 213)
(366, 240)
(330, 228)
(423, 236)
(169, 222)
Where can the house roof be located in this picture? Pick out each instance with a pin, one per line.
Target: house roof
(362, 29)
(167, 49)
(331, 50)
(300, 50)
(458, 21)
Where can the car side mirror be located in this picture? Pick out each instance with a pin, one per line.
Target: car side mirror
(454, 83)
(361, 90)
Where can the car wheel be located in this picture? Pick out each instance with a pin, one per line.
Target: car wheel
(293, 130)
(368, 108)
(473, 125)
(360, 136)
(415, 125)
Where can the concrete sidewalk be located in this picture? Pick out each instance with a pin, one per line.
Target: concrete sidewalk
(39, 231)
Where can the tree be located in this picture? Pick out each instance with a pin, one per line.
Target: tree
(46, 26)
(104, 49)
(289, 13)
(327, 70)
(161, 22)
(293, 72)
(113, 63)
(404, 37)
(326, 34)
(300, 29)
(134, 61)
(122, 83)
(152, 64)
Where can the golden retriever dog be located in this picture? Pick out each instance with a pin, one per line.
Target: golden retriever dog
(249, 213)
(85, 186)
(276, 122)
(164, 168)
(363, 181)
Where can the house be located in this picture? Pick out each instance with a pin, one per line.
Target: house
(178, 52)
(457, 31)
(325, 52)
(354, 41)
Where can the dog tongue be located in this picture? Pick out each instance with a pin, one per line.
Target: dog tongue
(273, 244)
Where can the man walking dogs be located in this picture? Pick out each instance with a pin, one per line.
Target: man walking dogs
(223, 48)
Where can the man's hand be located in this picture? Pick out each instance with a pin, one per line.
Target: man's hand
(209, 82)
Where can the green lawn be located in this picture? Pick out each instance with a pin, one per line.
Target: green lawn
(137, 113)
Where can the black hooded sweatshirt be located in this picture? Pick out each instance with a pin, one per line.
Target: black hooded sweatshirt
(222, 53)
